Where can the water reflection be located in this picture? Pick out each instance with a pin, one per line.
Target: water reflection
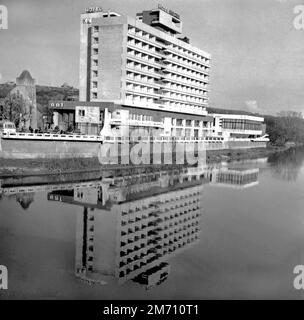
(235, 178)
(131, 226)
(132, 222)
(287, 165)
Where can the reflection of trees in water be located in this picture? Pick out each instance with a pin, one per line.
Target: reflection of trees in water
(286, 165)
(25, 199)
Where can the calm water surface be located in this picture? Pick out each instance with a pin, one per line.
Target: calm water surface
(230, 231)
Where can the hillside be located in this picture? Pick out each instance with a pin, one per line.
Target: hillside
(44, 94)
(230, 111)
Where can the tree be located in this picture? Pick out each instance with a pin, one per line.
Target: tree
(290, 114)
(13, 108)
(288, 126)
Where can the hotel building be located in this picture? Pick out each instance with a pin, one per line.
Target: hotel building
(141, 73)
(146, 69)
(238, 126)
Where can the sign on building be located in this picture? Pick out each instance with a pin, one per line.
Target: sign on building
(93, 9)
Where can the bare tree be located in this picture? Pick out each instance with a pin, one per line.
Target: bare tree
(13, 108)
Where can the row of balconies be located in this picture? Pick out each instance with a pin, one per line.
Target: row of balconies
(181, 80)
(183, 52)
(134, 225)
(147, 52)
(178, 88)
(152, 91)
(141, 34)
(170, 74)
(140, 78)
(188, 54)
(170, 230)
(143, 47)
(144, 68)
(179, 216)
(182, 97)
(175, 59)
(143, 58)
(141, 100)
(188, 74)
(146, 255)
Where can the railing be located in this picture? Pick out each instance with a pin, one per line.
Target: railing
(137, 123)
(112, 139)
(109, 139)
(51, 136)
(50, 187)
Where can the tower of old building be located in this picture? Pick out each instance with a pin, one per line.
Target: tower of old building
(26, 87)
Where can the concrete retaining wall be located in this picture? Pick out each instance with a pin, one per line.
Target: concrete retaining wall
(27, 149)
(245, 144)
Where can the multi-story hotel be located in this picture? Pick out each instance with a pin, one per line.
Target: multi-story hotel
(143, 65)
(141, 73)
(139, 78)
(142, 62)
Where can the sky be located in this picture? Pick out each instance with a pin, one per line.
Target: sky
(257, 53)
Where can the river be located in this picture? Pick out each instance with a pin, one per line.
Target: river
(227, 231)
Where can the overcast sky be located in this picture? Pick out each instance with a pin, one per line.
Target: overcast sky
(257, 54)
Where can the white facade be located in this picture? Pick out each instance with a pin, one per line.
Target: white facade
(143, 64)
(238, 126)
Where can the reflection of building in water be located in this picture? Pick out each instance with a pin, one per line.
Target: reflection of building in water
(234, 178)
(25, 199)
(142, 221)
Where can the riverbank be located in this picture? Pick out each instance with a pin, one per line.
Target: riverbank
(26, 167)
(215, 156)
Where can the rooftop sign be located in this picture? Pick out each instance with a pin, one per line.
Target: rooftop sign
(93, 9)
(172, 13)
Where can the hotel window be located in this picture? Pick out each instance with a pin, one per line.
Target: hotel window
(95, 51)
(94, 95)
(81, 113)
(95, 29)
(95, 40)
(179, 122)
